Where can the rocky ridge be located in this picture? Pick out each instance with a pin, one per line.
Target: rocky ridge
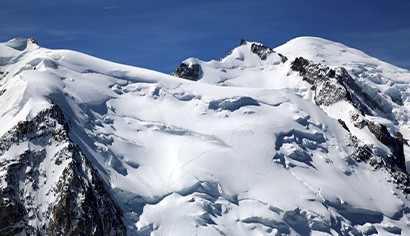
(50, 188)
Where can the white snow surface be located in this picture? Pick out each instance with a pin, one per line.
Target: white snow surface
(243, 151)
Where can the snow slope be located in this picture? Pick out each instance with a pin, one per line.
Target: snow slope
(243, 151)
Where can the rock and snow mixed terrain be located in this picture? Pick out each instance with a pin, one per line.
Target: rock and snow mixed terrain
(307, 138)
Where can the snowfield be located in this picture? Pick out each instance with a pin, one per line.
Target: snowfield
(244, 150)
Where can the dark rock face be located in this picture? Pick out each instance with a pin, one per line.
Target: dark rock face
(343, 124)
(11, 213)
(363, 153)
(364, 98)
(51, 188)
(33, 40)
(261, 50)
(283, 58)
(300, 64)
(327, 89)
(243, 42)
(190, 72)
(333, 85)
(394, 143)
(310, 71)
(97, 214)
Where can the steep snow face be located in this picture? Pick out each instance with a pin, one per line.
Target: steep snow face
(244, 150)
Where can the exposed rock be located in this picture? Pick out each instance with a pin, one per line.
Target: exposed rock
(33, 40)
(337, 84)
(283, 58)
(343, 124)
(328, 92)
(402, 180)
(364, 98)
(394, 143)
(12, 213)
(363, 153)
(3, 74)
(300, 64)
(243, 42)
(356, 119)
(327, 89)
(261, 50)
(190, 72)
(310, 71)
(75, 200)
(332, 86)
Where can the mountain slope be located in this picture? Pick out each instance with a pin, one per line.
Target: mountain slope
(252, 145)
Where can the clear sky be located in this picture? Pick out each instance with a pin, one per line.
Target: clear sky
(159, 34)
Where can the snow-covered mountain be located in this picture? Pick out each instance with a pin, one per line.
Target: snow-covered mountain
(309, 138)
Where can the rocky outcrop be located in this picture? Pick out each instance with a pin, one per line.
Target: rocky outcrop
(363, 153)
(322, 78)
(48, 187)
(328, 92)
(300, 65)
(333, 85)
(188, 71)
(312, 72)
(33, 41)
(283, 58)
(343, 124)
(394, 143)
(261, 50)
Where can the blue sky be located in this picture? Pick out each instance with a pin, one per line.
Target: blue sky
(159, 34)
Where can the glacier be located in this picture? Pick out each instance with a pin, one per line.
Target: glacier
(308, 138)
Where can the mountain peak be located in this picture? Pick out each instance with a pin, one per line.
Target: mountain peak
(310, 40)
(22, 44)
(247, 55)
(253, 145)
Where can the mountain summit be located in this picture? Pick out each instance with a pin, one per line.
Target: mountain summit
(308, 138)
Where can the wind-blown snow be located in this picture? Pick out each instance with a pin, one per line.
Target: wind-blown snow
(243, 151)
